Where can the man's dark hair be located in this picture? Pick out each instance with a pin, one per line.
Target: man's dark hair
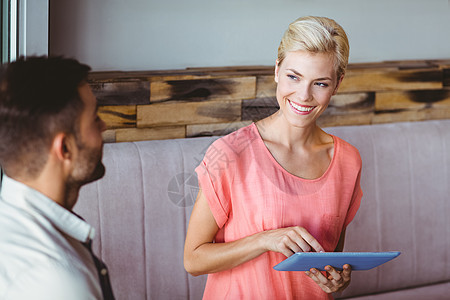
(38, 99)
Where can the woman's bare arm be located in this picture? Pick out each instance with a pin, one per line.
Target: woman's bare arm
(203, 256)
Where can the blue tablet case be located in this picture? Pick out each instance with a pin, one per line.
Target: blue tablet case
(304, 261)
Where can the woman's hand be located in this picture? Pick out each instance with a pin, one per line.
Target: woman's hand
(203, 256)
(336, 281)
(290, 240)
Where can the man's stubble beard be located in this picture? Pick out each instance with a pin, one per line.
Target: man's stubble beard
(88, 168)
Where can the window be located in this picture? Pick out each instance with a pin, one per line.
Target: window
(24, 28)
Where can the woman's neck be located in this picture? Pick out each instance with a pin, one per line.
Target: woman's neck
(276, 129)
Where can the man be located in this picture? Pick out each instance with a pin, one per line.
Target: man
(50, 145)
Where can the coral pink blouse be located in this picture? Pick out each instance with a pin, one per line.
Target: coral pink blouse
(249, 192)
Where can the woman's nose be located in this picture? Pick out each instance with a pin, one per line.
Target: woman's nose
(303, 93)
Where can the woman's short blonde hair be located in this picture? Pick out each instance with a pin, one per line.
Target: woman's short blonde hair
(316, 35)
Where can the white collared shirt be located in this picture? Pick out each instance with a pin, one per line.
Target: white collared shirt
(41, 250)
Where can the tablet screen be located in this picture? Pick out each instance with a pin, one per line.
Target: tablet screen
(304, 261)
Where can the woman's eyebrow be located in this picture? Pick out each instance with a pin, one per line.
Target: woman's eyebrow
(300, 74)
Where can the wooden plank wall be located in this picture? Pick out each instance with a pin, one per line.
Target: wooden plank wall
(214, 101)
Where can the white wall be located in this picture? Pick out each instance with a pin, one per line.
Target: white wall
(175, 34)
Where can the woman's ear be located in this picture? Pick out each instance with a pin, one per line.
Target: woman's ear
(338, 84)
(276, 70)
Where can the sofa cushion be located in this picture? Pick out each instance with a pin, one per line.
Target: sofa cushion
(438, 291)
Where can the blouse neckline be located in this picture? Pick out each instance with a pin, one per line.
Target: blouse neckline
(279, 166)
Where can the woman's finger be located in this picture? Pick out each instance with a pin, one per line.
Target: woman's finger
(347, 272)
(335, 276)
(321, 279)
(287, 246)
(308, 238)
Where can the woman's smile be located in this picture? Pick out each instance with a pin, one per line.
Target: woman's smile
(300, 109)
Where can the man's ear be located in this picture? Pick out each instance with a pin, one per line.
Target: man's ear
(338, 84)
(277, 68)
(61, 147)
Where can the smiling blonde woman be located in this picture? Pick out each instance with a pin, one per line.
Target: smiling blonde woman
(281, 185)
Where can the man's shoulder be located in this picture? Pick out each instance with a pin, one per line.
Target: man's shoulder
(30, 244)
(33, 257)
(26, 241)
(50, 280)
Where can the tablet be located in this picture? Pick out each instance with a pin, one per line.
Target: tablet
(304, 261)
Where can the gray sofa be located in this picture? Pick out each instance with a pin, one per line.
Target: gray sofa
(141, 210)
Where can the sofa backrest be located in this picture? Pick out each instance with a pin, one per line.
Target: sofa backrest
(141, 209)
(406, 186)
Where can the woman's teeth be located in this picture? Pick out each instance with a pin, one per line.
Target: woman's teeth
(301, 108)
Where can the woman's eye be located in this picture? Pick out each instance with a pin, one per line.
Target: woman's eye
(321, 84)
(293, 77)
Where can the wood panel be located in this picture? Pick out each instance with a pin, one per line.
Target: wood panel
(203, 89)
(233, 69)
(447, 77)
(445, 66)
(122, 92)
(109, 136)
(143, 134)
(215, 101)
(352, 103)
(412, 99)
(259, 108)
(349, 109)
(214, 129)
(118, 116)
(117, 76)
(411, 115)
(266, 86)
(176, 113)
(382, 80)
(393, 65)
